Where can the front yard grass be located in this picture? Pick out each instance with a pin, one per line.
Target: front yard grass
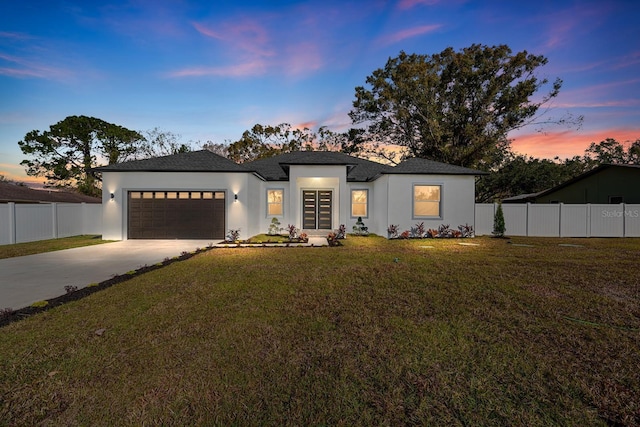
(31, 248)
(375, 332)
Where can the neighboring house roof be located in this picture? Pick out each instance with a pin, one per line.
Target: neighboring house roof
(533, 196)
(193, 161)
(522, 198)
(276, 168)
(10, 192)
(415, 165)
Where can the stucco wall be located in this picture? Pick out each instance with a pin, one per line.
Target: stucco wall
(322, 178)
(457, 200)
(114, 211)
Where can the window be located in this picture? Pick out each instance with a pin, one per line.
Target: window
(426, 201)
(359, 203)
(275, 202)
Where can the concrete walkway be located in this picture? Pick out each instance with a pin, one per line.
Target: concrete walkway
(25, 280)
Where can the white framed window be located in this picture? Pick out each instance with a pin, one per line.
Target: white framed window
(427, 201)
(360, 203)
(275, 202)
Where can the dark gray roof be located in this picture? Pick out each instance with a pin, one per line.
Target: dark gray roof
(194, 161)
(415, 165)
(10, 192)
(276, 168)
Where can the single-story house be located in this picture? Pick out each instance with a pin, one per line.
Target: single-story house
(605, 184)
(201, 195)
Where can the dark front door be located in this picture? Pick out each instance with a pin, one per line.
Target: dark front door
(176, 215)
(317, 208)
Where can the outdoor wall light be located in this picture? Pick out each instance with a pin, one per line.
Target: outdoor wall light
(112, 196)
(235, 197)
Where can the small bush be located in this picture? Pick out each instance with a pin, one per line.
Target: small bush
(498, 222)
(392, 231)
(70, 288)
(341, 233)
(360, 229)
(293, 231)
(274, 227)
(233, 236)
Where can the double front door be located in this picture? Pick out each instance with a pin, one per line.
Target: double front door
(317, 208)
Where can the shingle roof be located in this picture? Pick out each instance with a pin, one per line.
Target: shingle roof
(276, 168)
(22, 194)
(194, 161)
(430, 167)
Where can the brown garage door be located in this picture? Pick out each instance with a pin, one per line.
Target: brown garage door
(176, 215)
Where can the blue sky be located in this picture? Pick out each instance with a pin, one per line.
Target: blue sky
(208, 70)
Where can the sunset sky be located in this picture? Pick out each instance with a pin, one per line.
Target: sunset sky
(208, 70)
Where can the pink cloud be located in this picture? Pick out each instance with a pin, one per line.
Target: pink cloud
(303, 58)
(568, 143)
(254, 68)
(408, 33)
(602, 95)
(246, 35)
(25, 68)
(409, 4)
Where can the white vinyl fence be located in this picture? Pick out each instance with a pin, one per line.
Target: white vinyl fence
(560, 220)
(30, 222)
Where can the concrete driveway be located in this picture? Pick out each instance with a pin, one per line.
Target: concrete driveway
(25, 280)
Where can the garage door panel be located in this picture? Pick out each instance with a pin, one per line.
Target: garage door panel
(189, 216)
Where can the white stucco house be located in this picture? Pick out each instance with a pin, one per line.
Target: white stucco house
(201, 195)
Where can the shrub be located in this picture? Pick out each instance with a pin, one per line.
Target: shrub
(360, 229)
(233, 236)
(392, 231)
(274, 227)
(293, 231)
(341, 233)
(332, 239)
(466, 230)
(498, 222)
(70, 288)
(6, 312)
(303, 237)
(419, 230)
(405, 234)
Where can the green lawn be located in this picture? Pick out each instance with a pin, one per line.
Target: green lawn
(30, 248)
(374, 332)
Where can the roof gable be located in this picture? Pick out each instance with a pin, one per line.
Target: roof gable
(277, 168)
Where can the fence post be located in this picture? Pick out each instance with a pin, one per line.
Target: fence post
(560, 219)
(588, 219)
(12, 222)
(84, 218)
(527, 218)
(54, 219)
(624, 219)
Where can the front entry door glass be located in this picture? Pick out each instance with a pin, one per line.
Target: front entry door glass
(317, 209)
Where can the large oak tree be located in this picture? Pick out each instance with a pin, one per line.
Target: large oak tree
(66, 153)
(453, 107)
